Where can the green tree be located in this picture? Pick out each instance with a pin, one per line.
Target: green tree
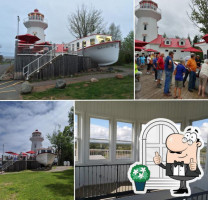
(115, 32)
(126, 54)
(85, 21)
(189, 38)
(62, 141)
(199, 14)
(164, 35)
(196, 39)
(177, 37)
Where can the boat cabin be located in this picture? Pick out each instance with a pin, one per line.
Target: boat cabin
(88, 41)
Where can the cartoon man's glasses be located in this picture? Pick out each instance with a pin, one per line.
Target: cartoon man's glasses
(190, 138)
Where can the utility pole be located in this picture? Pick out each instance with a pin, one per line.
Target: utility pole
(3, 153)
(18, 20)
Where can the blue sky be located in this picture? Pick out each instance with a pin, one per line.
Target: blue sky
(56, 12)
(19, 119)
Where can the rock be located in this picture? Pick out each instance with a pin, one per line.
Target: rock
(119, 76)
(94, 80)
(60, 84)
(26, 88)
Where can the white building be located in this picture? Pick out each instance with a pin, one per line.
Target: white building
(36, 25)
(147, 16)
(165, 45)
(204, 46)
(36, 140)
(102, 170)
(146, 29)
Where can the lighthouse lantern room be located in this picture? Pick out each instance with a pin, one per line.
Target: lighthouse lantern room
(147, 15)
(36, 24)
(36, 140)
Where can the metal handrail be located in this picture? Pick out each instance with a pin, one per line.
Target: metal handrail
(39, 20)
(37, 64)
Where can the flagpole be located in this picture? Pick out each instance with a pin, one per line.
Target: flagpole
(18, 19)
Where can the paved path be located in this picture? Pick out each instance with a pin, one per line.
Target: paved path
(60, 168)
(43, 85)
(10, 90)
(3, 68)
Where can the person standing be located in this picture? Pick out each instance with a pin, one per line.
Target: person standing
(187, 70)
(180, 70)
(198, 61)
(192, 66)
(142, 61)
(155, 66)
(160, 68)
(169, 68)
(148, 64)
(203, 78)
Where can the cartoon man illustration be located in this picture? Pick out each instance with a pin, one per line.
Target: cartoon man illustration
(182, 161)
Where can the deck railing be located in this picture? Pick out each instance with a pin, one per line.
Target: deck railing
(102, 181)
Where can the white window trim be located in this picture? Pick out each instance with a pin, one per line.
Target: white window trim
(133, 140)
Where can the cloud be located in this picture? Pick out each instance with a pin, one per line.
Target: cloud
(19, 119)
(204, 131)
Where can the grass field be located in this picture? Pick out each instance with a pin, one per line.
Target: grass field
(110, 88)
(29, 185)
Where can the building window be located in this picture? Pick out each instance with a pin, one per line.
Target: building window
(99, 139)
(145, 27)
(167, 42)
(174, 51)
(144, 38)
(124, 140)
(76, 136)
(72, 47)
(77, 45)
(182, 43)
(166, 50)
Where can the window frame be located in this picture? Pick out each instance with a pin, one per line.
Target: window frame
(79, 137)
(132, 143)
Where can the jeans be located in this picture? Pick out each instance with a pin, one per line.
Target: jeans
(155, 70)
(168, 75)
(192, 80)
(186, 76)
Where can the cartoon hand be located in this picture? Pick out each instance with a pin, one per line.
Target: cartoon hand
(157, 158)
(192, 165)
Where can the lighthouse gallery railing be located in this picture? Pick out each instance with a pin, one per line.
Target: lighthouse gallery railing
(39, 63)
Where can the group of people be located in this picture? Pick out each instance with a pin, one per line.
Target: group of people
(157, 64)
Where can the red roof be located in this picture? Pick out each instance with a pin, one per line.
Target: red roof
(139, 43)
(174, 42)
(205, 38)
(60, 48)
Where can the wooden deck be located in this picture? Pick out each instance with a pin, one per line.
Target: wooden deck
(150, 91)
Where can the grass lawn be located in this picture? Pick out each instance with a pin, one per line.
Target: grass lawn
(110, 88)
(29, 185)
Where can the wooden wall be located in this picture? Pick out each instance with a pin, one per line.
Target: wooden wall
(61, 66)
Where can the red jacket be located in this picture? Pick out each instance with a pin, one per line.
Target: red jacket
(161, 64)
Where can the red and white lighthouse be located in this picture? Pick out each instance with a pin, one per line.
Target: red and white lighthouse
(36, 24)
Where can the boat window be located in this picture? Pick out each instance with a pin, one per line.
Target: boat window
(101, 39)
(84, 44)
(108, 39)
(77, 45)
(92, 41)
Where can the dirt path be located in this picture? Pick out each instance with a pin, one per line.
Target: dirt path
(60, 168)
(44, 85)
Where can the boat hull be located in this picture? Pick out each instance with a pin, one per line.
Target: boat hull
(45, 159)
(104, 54)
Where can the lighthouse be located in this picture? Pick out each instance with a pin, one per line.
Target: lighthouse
(147, 15)
(36, 25)
(36, 140)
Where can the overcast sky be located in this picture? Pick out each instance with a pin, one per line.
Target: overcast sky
(18, 120)
(175, 20)
(56, 12)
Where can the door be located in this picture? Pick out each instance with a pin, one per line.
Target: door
(153, 140)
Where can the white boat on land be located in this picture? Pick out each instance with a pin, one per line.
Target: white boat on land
(100, 48)
(45, 156)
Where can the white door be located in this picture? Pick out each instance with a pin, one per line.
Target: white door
(153, 140)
